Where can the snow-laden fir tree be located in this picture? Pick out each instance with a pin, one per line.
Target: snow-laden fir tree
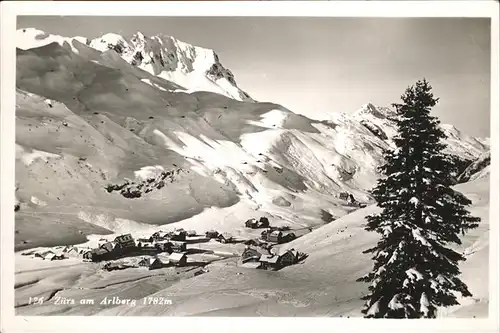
(414, 271)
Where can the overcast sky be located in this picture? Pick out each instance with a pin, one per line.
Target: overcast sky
(316, 66)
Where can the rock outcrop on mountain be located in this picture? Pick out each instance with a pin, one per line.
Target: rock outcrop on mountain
(192, 68)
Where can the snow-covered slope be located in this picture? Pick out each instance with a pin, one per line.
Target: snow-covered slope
(193, 68)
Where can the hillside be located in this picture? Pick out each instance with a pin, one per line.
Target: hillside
(323, 285)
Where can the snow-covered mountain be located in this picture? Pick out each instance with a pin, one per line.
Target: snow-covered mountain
(192, 67)
(99, 135)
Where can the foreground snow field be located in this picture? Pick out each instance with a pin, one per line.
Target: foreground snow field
(108, 144)
(323, 285)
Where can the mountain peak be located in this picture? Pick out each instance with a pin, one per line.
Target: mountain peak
(109, 41)
(192, 67)
(372, 109)
(169, 58)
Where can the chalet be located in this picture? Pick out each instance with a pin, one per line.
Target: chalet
(225, 238)
(275, 236)
(284, 228)
(263, 222)
(288, 258)
(111, 266)
(87, 255)
(163, 246)
(125, 241)
(81, 252)
(102, 241)
(250, 255)
(179, 235)
(251, 223)
(254, 242)
(58, 257)
(178, 259)
(96, 255)
(287, 238)
(163, 235)
(28, 253)
(101, 254)
(49, 255)
(198, 272)
(145, 244)
(42, 254)
(144, 262)
(145, 240)
(156, 235)
(71, 251)
(212, 234)
(268, 261)
(178, 247)
(151, 263)
(157, 263)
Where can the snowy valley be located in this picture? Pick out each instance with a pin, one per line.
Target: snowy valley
(122, 135)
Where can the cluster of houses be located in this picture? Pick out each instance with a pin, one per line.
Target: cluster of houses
(174, 259)
(50, 255)
(155, 262)
(224, 238)
(174, 243)
(271, 261)
(263, 222)
(277, 236)
(58, 253)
